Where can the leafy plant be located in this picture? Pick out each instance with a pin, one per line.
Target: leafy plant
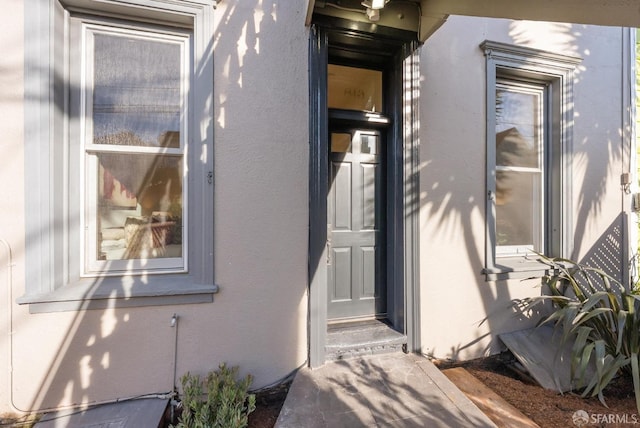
(218, 400)
(601, 315)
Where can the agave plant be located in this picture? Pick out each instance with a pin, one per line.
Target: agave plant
(601, 316)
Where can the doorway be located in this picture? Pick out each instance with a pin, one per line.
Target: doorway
(356, 232)
(362, 183)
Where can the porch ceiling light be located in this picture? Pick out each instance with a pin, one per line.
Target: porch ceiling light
(374, 4)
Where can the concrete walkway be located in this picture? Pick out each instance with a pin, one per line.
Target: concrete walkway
(392, 390)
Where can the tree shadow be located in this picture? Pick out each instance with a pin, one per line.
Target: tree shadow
(106, 351)
(452, 200)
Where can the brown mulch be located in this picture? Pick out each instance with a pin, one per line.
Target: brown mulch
(548, 408)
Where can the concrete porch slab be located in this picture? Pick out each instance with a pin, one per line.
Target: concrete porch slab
(392, 390)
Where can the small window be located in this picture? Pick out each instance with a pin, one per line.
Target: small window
(529, 111)
(520, 170)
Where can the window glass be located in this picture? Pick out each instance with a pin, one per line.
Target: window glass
(354, 88)
(135, 101)
(340, 142)
(519, 168)
(135, 199)
(369, 143)
(139, 206)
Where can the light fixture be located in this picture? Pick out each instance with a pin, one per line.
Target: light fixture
(373, 8)
(374, 4)
(373, 14)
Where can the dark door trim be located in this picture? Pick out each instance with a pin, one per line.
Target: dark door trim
(402, 184)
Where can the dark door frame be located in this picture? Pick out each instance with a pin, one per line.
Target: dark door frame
(395, 51)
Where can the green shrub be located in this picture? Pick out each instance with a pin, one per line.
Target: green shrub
(217, 401)
(601, 316)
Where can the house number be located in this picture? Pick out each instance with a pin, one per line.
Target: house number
(354, 93)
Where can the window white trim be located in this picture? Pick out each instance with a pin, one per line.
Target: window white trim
(557, 73)
(91, 266)
(539, 137)
(52, 271)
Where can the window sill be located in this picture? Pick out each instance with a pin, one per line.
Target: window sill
(515, 268)
(121, 292)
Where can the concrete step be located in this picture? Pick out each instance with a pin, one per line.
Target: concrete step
(351, 340)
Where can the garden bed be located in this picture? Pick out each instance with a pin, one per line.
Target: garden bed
(548, 408)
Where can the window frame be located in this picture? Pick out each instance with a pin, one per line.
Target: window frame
(53, 280)
(556, 73)
(87, 29)
(542, 133)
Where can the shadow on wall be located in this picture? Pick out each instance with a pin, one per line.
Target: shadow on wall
(606, 253)
(128, 351)
(452, 200)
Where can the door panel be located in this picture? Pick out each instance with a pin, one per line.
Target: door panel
(341, 173)
(342, 270)
(355, 230)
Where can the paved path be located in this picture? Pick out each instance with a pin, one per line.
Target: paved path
(392, 390)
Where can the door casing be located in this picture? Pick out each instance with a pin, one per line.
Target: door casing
(397, 49)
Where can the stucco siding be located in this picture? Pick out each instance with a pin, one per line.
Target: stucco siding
(454, 292)
(258, 318)
(11, 173)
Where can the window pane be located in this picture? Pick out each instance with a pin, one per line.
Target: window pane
(518, 135)
(137, 91)
(518, 209)
(340, 142)
(353, 88)
(140, 206)
(369, 144)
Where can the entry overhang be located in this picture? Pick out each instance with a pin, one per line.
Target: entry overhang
(433, 13)
(617, 13)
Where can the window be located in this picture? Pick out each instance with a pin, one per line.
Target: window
(120, 136)
(134, 142)
(529, 111)
(520, 199)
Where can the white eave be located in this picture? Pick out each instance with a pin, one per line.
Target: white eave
(622, 13)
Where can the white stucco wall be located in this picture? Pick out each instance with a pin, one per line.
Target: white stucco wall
(11, 174)
(258, 319)
(455, 297)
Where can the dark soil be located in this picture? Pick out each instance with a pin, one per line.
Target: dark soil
(268, 405)
(548, 408)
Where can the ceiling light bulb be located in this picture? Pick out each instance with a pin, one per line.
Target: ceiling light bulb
(373, 14)
(374, 4)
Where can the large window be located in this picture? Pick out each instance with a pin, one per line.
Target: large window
(120, 136)
(134, 121)
(529, 111)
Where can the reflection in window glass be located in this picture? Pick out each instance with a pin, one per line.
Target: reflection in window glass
(340, 142)
(139, 206)
(135, 197)
(519, 168)
(136, 101)
(353, 88)
(369, 144)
